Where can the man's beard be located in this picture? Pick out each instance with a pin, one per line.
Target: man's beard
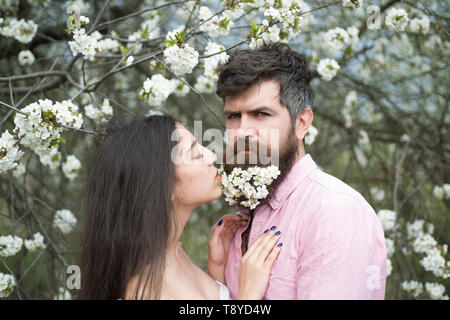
(288, 152)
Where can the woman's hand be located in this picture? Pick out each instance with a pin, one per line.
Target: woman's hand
(222, 233)
(256, 265)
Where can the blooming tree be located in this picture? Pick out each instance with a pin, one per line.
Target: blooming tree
(381, 111)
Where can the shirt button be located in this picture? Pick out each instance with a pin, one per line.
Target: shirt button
(275, 204)
(237, 265)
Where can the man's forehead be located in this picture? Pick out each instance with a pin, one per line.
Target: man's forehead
(261, 94)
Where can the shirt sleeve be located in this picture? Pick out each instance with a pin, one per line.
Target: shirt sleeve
(343, 252)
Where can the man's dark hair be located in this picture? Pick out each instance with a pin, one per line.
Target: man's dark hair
(277, 61)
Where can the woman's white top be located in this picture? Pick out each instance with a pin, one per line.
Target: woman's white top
(224, 292)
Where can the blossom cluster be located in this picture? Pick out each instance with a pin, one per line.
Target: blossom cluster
(214, 25)
(99, 114)
(247, 187)
(37, 243)
(9, 151)
(21, 30)
(84, 44)
(180, 56)
(352, 3)
(10, 245)
(64, 220)
(397, 19)
(285, 13)
(71, 167)
(38, 126)
(442, 192)
(328, 68)
(7, 284)
(311, 135)
(212, 62)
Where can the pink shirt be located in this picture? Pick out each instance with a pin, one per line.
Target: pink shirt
(333, 243)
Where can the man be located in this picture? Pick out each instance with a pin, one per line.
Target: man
(333, 245)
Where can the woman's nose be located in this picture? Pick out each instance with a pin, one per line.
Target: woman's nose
(211, 157)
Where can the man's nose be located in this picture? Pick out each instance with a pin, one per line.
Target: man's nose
(246, 128)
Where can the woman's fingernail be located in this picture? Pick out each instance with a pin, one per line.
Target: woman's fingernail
(273, 228)
(238, 215)
(220, 222)
(279, 245)
(246, 220)
(266, 231)
(277, 233)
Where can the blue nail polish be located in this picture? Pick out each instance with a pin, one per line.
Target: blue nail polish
(238, 215)
(246, 220)
(277, 233)
(220, 222)
(273, 228)
(279, 245)
(266, 231)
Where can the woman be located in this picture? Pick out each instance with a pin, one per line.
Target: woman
(148, 176)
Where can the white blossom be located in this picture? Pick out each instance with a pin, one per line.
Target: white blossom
(215, 26)
(390, 247)
(26, 57)
(377, 194)
(71, 167)
(352, 3)
(64, 220)
(10, 245)
(50, 158)
(387, 219)
(438, 192)
(247, 187)
(157, 89)
(19, 170)
(435, 263)
(388, 267)
(83, 44)
(413, 287)
(397, 19)
(63, 294)
(7, 284)
(436, 291)
(21, 30)
(9, 152)
(37, 243)
(327, 68)
(41, 128)
(212, 62)
(311, 135)
(99, 114)
(181, 57)
(420, 25)
(181, 89)
(205, 85)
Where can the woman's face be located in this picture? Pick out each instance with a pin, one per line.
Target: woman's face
(197, 179)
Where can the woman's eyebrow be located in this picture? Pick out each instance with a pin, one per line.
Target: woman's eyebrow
(190, 148)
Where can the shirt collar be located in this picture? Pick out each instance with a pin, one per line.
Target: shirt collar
(296, 174)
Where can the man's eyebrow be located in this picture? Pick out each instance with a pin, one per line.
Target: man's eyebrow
(257, 109)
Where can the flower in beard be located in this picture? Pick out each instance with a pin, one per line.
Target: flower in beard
(247, 187)
(249, 183)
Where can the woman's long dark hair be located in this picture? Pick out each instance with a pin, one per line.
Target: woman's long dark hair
(128, 209)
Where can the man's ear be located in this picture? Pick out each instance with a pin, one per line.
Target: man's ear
(302, 123)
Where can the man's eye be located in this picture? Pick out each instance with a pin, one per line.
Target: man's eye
(232, 116)
(262, 114)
